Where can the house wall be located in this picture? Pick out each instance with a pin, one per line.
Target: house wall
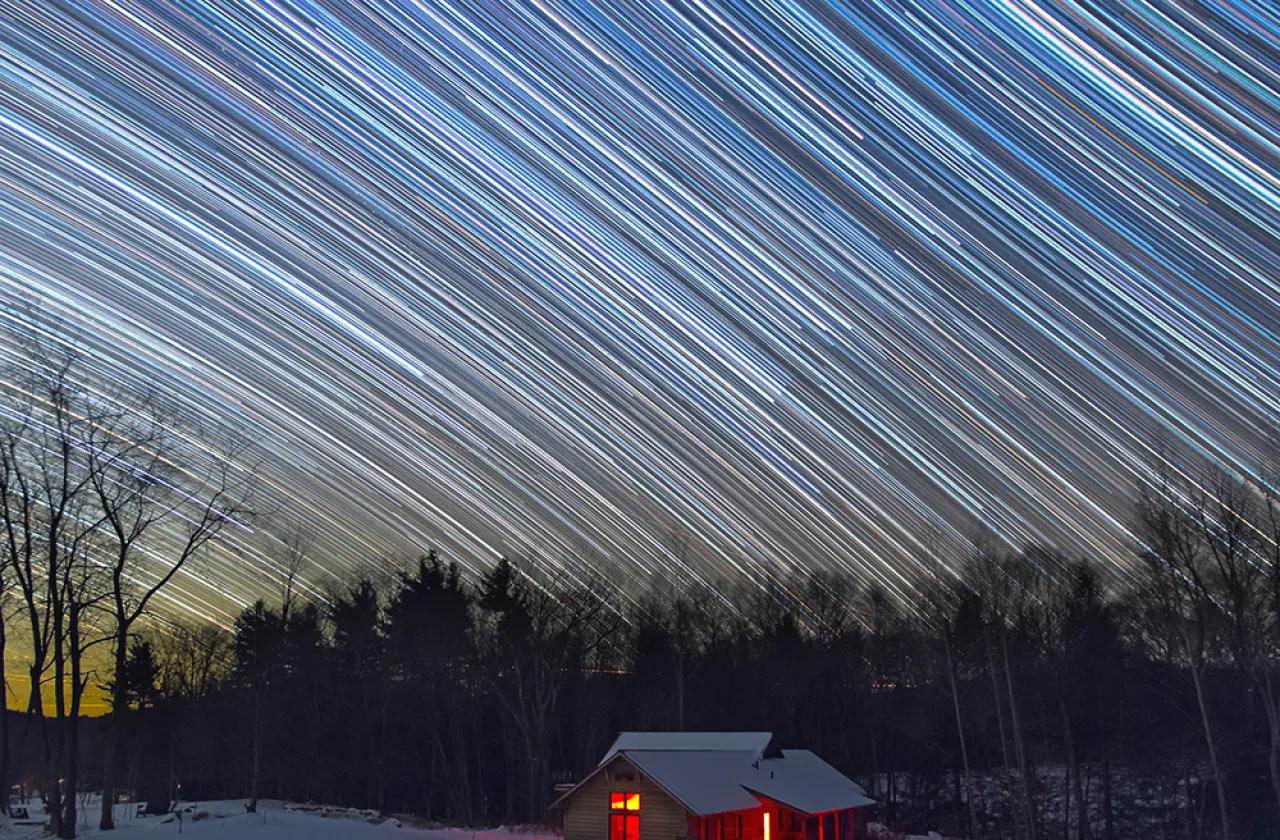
(783, 825)
(752, 821)
(586, 815)
(788, 825)
(834, 825)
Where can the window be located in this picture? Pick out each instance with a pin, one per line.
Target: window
(766, 825)
(624, 816)
(624, 802)
(732, 827)
(624, 826)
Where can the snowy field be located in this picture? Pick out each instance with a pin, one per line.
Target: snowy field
(274, 821)
(286, 821)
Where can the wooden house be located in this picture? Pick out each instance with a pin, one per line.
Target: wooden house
(712, 786)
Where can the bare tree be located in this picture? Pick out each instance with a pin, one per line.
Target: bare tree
(672, 620)
(262, 634)
(48, 519)
(1268, 662)
(995, 579)
(193, 657)
(105, 499)
(1174, 591)
(84, 588)
(163, 499)
(541, 636)
(1082, 645)
(938, 613)
(142, 494)
(1238, 583)
(291, 557)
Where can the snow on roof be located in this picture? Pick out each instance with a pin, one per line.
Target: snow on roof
(755, 742)
(704, 782)
(718, 772)
(804, 782)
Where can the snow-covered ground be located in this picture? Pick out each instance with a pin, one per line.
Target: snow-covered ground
(274, 821)
(878, 832)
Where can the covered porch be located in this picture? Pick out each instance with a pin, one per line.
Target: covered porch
(776, 821)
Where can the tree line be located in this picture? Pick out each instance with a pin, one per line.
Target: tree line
(1031, 695)
(1026, 694)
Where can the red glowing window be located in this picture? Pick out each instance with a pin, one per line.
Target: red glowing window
(624, 802)
(624, 827)
(624, 821)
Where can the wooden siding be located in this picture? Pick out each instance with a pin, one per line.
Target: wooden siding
(586, 814)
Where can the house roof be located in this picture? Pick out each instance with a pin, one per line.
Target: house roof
(704, 782)
(718, 772)
(804, 782)
(756, 742)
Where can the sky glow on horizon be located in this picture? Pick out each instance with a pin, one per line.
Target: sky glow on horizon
(683, 292)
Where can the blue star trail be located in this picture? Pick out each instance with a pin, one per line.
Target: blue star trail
(689, 293)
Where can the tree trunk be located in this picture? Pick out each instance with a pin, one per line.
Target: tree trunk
(531, 775)
(1273, 725)
(4, 721)
(69, 815)
(1108, 815)
(1273, 761)
(381, 760)
(434, 724)
(1066, 808)
(255, 773)
(512, 762)
(1195, 822)
(964, 749)
(1220, 783)
(35, 710)
(875, 759)
(60, 716)
(451, 790)
(1004, 742)
(1073, 777)
(72, 774)
(1019, 744)
(461, 762)
(483, 805)
(112, 746)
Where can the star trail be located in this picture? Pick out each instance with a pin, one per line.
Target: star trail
(690, 292)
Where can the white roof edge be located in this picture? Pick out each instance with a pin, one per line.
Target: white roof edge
(690, 741)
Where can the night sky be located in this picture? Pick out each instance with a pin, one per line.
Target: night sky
(685, 293)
